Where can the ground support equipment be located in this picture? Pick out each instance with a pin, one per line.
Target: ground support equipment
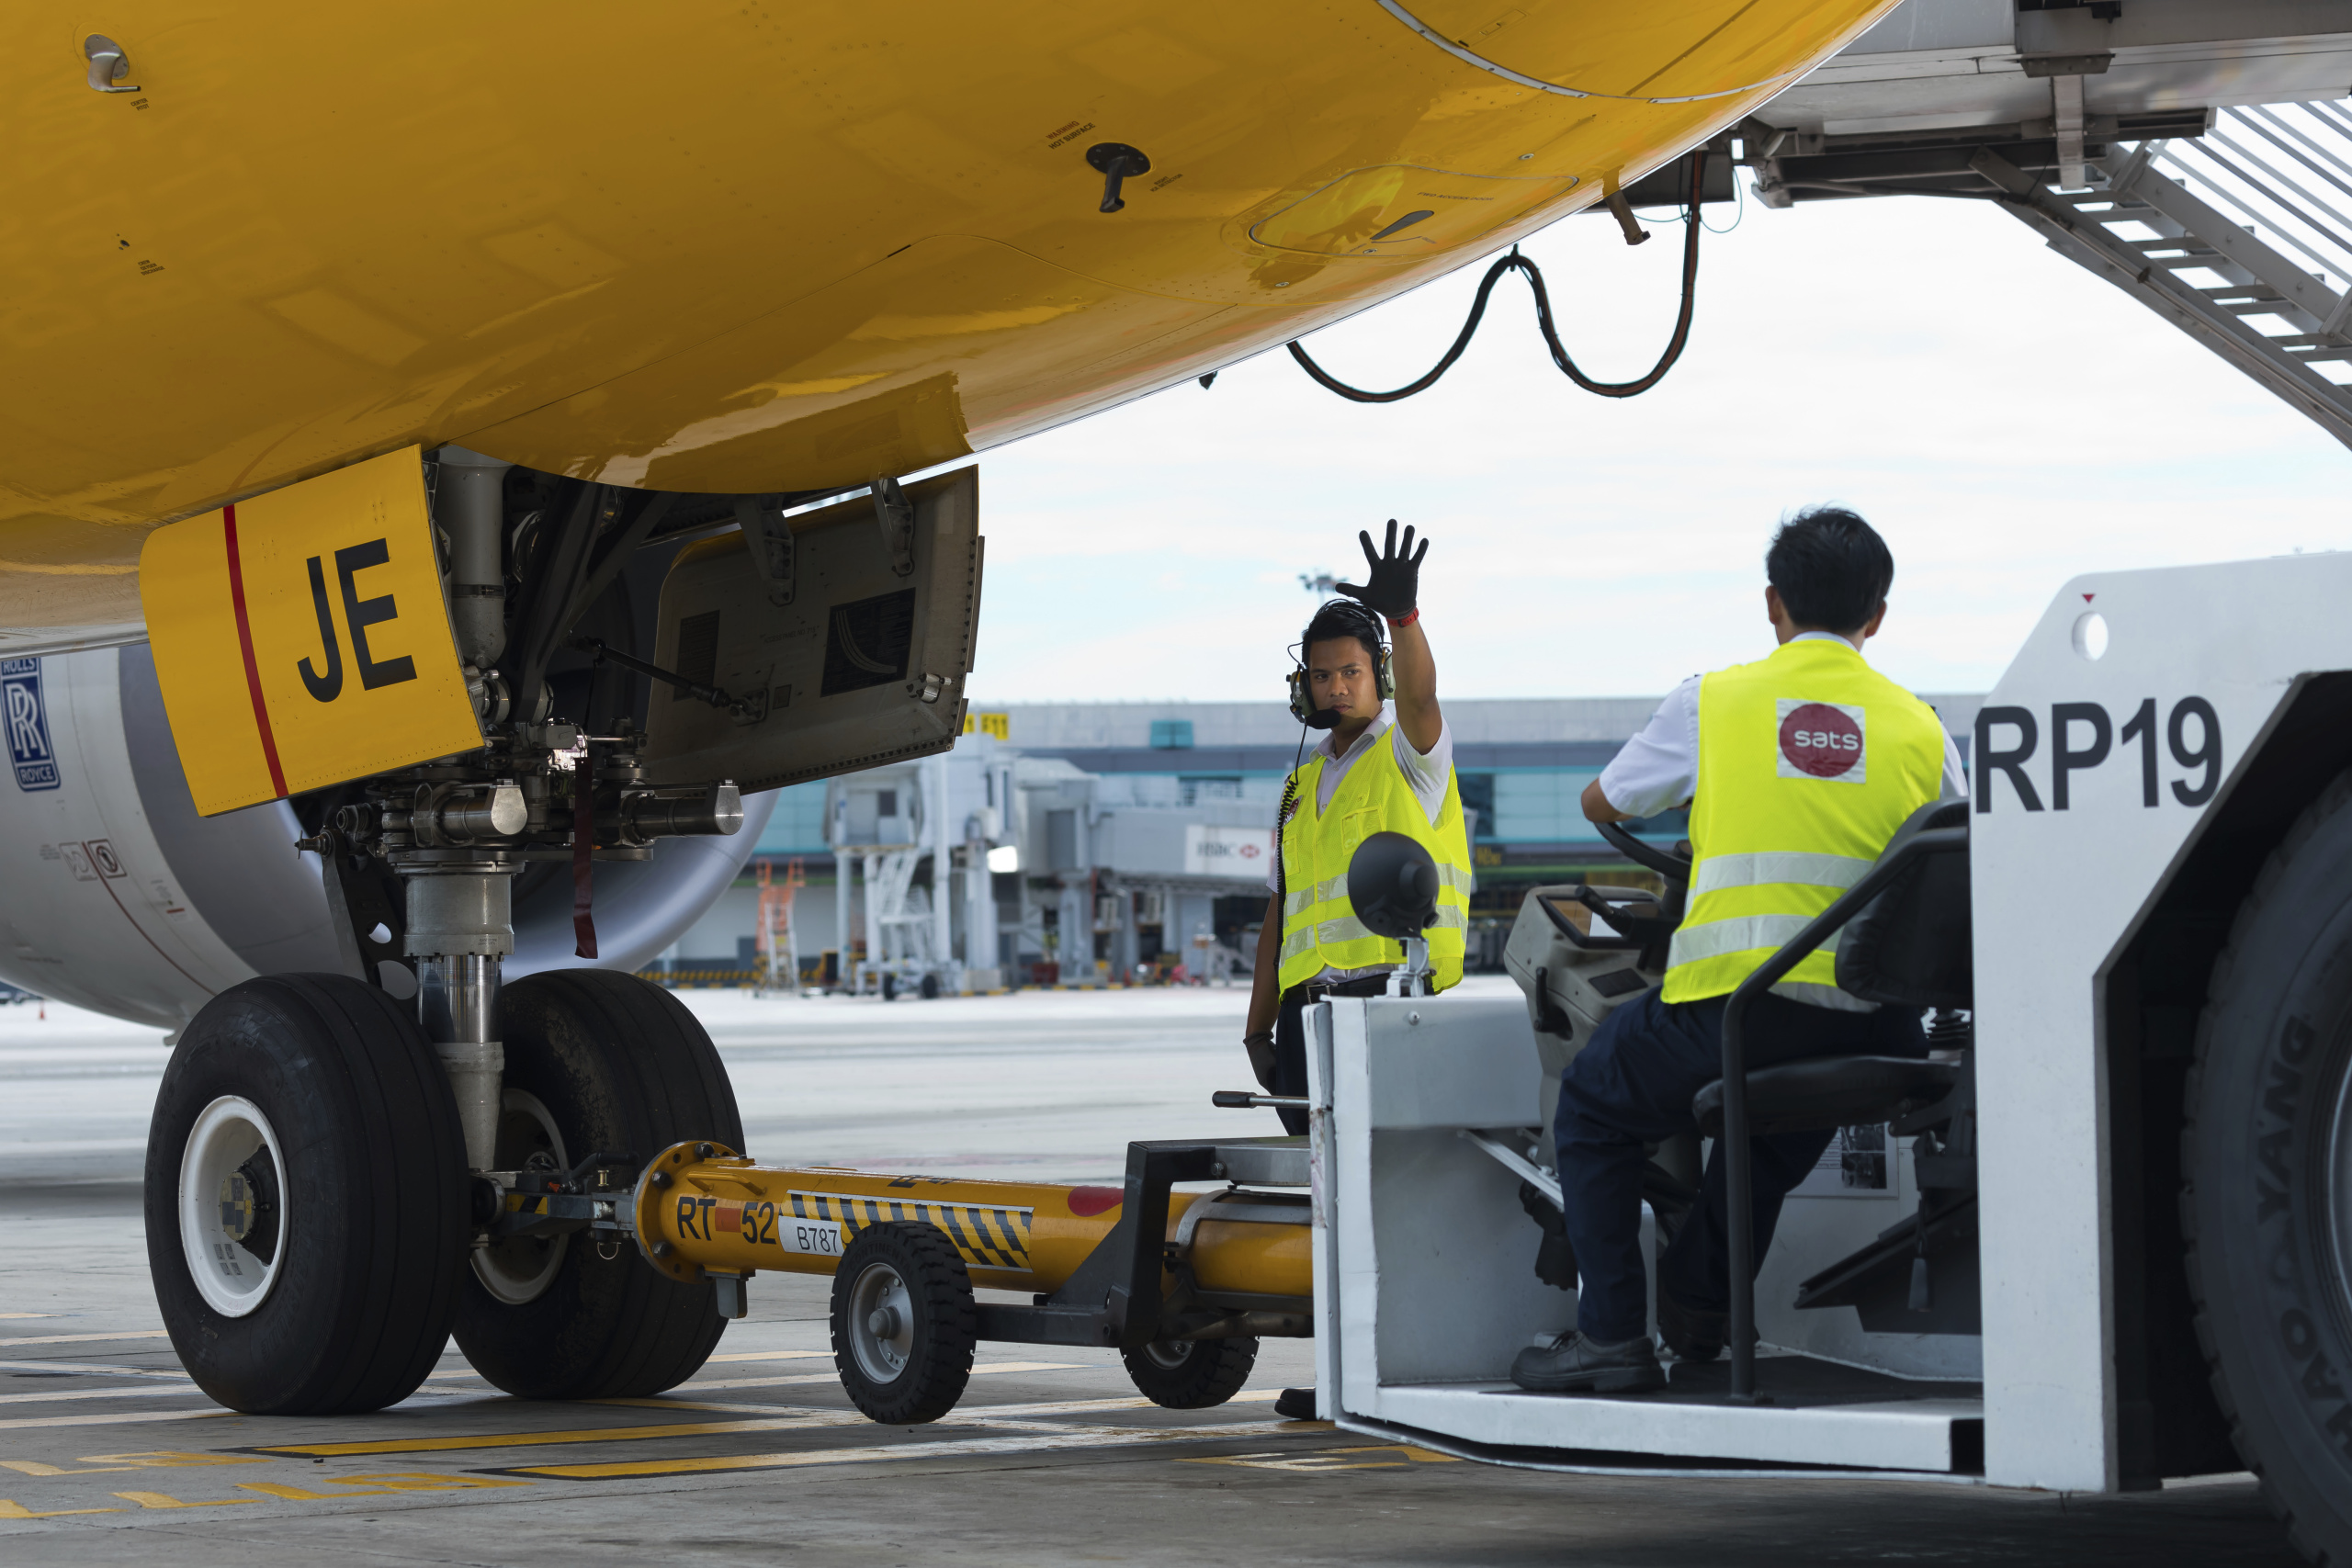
(1183, 1284)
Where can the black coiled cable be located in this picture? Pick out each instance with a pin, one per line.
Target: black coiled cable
(1514, 262)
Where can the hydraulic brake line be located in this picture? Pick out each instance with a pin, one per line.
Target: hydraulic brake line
(1514, 262)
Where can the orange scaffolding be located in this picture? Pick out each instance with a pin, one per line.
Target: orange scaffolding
(775, 921)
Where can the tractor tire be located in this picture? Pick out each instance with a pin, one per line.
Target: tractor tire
(306, 1197)
(2266, 1154)
(596, 1063)
(903, 1323)
(1191, 1374)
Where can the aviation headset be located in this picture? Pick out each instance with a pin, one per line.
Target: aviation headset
(1341, 617)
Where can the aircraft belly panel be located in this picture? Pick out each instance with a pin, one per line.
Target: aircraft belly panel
(314, 236)
(881, 374)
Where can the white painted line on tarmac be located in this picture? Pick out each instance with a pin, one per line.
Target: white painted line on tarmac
(92, 1368)
(774, 1355)
(98, 1394)
(121, 1418)
(87, 1339)
(1044, 1440)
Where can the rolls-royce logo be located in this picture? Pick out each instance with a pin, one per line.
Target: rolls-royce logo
(28, 721)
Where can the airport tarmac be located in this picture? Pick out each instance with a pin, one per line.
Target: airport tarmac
(1051, 1457)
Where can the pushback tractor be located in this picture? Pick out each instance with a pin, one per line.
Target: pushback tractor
(2099, 1238)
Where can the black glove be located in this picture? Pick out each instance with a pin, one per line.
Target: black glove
(1261, 1048)
(1395, 588)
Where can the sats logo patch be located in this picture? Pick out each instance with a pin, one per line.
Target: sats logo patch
(28, 721)
(1822, 740)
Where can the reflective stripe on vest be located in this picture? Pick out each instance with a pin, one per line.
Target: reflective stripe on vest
(1841, 872)
(1335, 889)
(1320, 926)
(1741, 934)
(1808, 762)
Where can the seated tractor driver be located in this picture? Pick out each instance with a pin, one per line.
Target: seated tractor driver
(1798, 770)
(1383, 768)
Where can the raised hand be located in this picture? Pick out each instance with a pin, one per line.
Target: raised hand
(1394, 589)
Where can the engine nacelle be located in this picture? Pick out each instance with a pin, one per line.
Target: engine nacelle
(120, 898)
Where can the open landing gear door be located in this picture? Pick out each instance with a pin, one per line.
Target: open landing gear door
(821, 643)
(300, 637)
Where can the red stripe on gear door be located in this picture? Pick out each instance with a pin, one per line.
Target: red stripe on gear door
(245, 645)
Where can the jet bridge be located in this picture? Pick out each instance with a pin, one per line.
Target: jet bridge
(2194, 153)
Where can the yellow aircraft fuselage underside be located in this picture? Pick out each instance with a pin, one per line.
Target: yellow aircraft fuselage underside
(730, 248)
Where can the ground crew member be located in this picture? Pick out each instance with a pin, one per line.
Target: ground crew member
(1383, 767)
(1798, 770)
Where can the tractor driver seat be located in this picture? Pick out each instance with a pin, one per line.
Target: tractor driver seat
(1904, 940)
(1906, 943)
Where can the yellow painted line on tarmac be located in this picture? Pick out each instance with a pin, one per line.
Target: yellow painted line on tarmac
(952, 1448)
(800, 1378)
(85, 1339)
(580, 1434)
(672, 1401)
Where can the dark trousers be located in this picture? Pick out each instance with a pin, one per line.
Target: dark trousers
(1633, 1085)
(1290, 1039)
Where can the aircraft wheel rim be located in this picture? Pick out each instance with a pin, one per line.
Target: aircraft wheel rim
(881, 1322)
(215, 1225)
(519, 1270)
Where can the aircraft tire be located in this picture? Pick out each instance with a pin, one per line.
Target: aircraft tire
(596, 1063)
(903, 1323)
(1191, 1374)
(2266, 1203)
(306, 1196)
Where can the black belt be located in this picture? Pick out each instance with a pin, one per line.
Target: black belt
(1368, 985)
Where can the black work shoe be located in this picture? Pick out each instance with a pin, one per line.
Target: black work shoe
(1691, 1334)
(1295, 1404)
(1570, 1363)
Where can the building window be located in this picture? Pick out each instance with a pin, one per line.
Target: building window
(1171, 734)
(1193, 789)
(1478, 797)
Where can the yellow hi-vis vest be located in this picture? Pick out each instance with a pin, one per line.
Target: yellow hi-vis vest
(1320, 926)
(1808, 762)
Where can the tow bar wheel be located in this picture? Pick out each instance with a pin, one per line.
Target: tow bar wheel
(232, 1205)
(903, 1323)
(1191, 1374)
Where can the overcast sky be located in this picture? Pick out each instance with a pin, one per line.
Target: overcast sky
(2005, 419)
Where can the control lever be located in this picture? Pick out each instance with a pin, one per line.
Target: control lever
(599, 652)
(1241, 1099)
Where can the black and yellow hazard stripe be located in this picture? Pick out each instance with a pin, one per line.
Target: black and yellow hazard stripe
(988, 1237)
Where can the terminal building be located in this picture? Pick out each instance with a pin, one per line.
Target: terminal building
(1088, 842)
